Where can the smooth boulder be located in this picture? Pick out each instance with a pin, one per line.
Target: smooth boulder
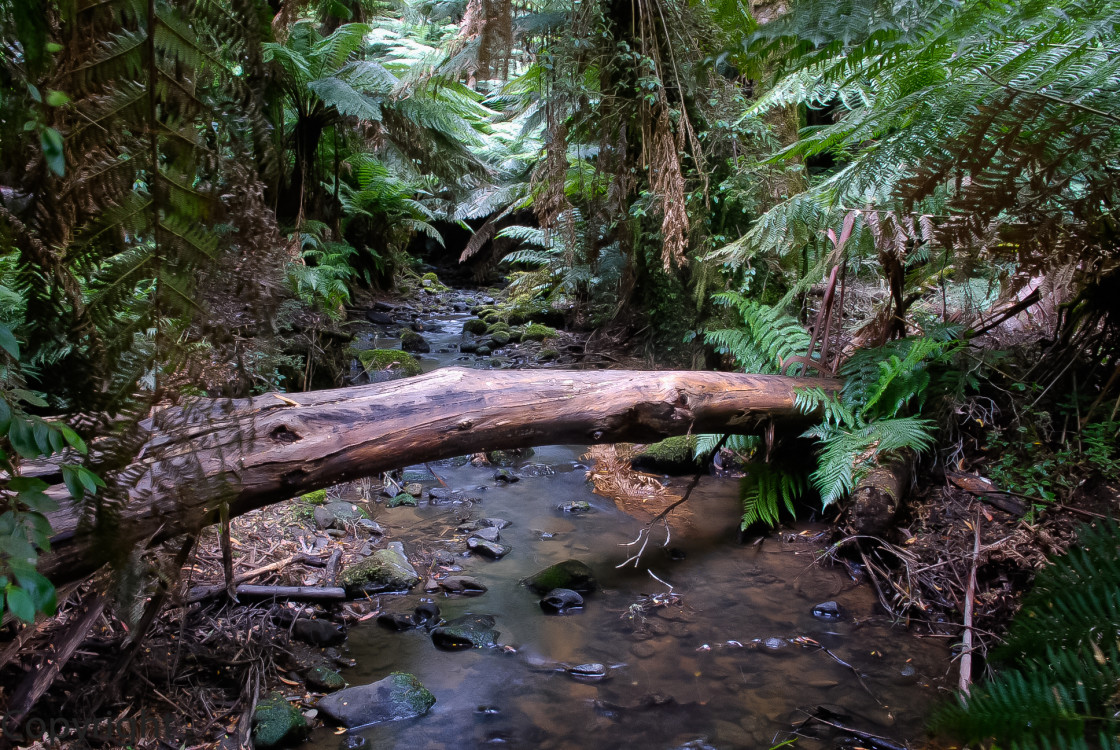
(468, 631)
(398, 696)
(561, 600)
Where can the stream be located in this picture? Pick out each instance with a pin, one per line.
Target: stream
(728, 660)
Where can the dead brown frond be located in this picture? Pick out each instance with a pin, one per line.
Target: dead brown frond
(641, 495)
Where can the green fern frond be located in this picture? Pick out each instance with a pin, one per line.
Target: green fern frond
(765, 491)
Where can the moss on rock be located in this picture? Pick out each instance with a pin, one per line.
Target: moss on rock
(318, 497)
(401, 498)
(277, 723)
(475, 326)
(537, 332)
(672, 455)
(380, 360)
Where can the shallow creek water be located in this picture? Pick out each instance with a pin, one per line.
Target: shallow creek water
(673, 678)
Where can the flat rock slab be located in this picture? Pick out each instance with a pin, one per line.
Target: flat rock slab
(463, 585)
(398, 696)
(493, 550)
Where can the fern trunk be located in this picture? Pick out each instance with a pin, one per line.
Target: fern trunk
(254, 452)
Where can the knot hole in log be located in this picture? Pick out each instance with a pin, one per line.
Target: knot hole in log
(283, 434)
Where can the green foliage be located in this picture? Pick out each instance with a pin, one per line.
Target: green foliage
(767, 337)
(765, 490)
(318, 497)
(1061, 661)
(320, 278)
(865, 422)
(24, 502)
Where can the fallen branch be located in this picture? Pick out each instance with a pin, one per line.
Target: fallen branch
(969, 599)
(240, 578)
(294, 593)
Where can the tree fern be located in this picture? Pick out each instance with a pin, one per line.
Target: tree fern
(768, 337)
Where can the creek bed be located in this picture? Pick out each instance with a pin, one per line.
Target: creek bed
(720, 667)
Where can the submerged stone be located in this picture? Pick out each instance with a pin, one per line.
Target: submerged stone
(827, 611)
(570, 574)
(561, 600)
(468, 631)
(463, 585)
(576, 506)
(396, 621)
(385, 570)
(398, 696)
(277, 723)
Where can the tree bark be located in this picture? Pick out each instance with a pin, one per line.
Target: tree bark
(249, 453)
(879, 496)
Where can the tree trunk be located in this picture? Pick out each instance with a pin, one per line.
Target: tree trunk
(879, 496)
(248, 453)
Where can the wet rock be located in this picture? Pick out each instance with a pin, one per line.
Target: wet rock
(398, 696)
(488, 710)
(506, 476)
(643, 650)
(773, 644)
(570, 574)
(827, 611)
(396, 621)
(317, 632)
(676, 554)
(468, 347)
(371, 527)
(463, 585)
(411, 341)
(489, 533)
(426, 613)
(353, 742)
(402, 498)
(440, 495)
(413, 488)
(483, 351)
(385, 570)
(336, 533)
(277, 723)
(576, 506)
(379, 318)
(537, 470)
(468, 631)
(493, 550)
(590, 672)
(499, 339)
(497, 523)
(443, 557)
(325, 680)
(561, 600)
(337, 515)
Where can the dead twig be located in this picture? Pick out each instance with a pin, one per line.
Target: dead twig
(969, 599)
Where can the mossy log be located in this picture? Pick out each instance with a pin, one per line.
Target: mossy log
(253, 452)
(879, 496)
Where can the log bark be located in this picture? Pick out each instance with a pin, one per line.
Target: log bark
(252, 452)
(879, 496)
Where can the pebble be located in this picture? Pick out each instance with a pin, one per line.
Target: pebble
(643, 650)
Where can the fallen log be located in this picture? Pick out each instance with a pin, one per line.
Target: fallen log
(249, 453)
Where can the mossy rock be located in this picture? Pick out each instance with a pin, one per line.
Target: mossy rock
(430, 276)
(468, 631)
(499, 338)
(570, 574)
(389, 360)
(398, 696)
(517, 317)
(671, 456)
(475, 326)
(318, 497)
(385, 570)
(537, 332)
(491, 318)
(548, 355)
(277, 723)
(411, 341)
(401, 498)
(325, 680)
